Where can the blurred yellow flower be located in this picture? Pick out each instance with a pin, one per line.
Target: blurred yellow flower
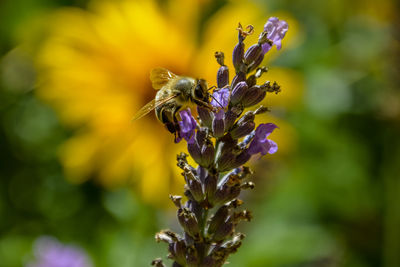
(94, 67)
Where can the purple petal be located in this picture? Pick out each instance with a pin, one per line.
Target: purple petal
(191, 140)
(276, 32)
(220, 115)
(273, 147)
(269, 26)
(220, 98)
(256, 147)
(49, 252)
(278, 44)
(187, 125)
(264, 130)
(266, 47)
(260, 143)
(178, 139)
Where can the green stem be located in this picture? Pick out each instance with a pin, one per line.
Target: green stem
(203, 224)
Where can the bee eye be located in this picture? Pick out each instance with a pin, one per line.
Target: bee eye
(198, 91)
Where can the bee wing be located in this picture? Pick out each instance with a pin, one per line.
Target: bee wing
(160, 77)
(153, 104)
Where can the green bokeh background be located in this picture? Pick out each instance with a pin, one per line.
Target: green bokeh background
(335, 202)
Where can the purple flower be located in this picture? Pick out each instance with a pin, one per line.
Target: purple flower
(276, 31)
(220, 98)
(49, 252)
(187, 125)
(260, 143)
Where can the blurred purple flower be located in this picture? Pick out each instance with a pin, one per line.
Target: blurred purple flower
(276, 31)
(49, 252)
(187, 125)
(260, 143)
(220, 98)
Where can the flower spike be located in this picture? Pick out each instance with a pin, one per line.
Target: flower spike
(221, 142)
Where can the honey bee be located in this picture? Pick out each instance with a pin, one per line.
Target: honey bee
(174, 93)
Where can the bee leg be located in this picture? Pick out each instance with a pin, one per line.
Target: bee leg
(203, 104)
(176, 124)
(170, 127)
(173, 128)
(162, 115)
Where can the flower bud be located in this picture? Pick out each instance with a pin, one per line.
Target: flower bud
(225, 146)
(257, 100)
(194, 207)
(239, 77)
(178, 251)
(194, 151)
(223, 231)
(189, 223)
(228, 189)
(252, 95)
(217, 219)
(208, 154)
(196, 189)
(201, 135)
(255, 63)
(225, 161)
(238, 51)
(252, 54)
(244, 125)
(229, 119)
(238, 92)
(205, 116)
(222, 76)
(242, 129)
(218, 126)
(241, 159)
(226, 193)
(237, 56)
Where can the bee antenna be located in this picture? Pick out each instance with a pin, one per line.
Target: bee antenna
(212, 87)
(217, 101)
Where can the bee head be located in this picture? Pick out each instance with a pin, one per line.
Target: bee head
(200, 91)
